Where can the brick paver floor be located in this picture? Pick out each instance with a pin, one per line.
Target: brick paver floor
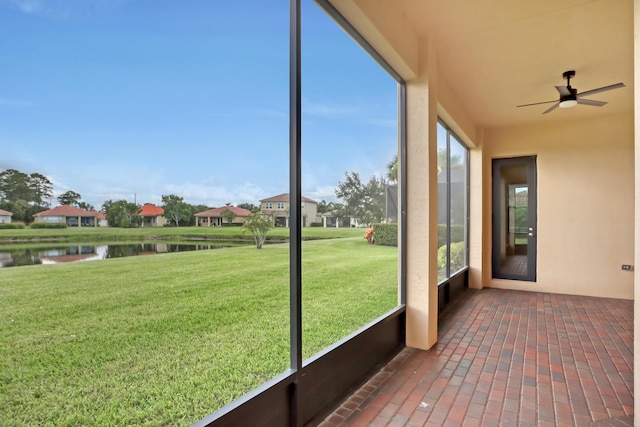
(508, 358)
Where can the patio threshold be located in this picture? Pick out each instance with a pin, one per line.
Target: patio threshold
(508, 358)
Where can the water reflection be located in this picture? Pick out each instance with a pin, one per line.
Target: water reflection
(34, 255)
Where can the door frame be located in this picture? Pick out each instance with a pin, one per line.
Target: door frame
(530, 162)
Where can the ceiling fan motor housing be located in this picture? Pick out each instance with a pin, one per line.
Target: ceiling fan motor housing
(570, 99)
(573, 96)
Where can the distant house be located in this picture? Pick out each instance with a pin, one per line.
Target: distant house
(5, 217)
(332, 220)
(216, 217)
(70, 215)
(279, 207)
(152, 215)
(102, 219)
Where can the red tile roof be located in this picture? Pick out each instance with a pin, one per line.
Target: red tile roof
(149, 209)
(3, 212)
(217, 212)
(66, 210)
(284, 197)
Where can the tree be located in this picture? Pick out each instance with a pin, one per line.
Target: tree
(374, 200)
(392, 169)
(250, 207)
(70, 198)
(86, 206)
(365, 202)
(176, 209)
(324, 207)
(259, 225)
(455, 159)
(121, 213)
(14, 186)
(194, 210)
(24, 194)
(228, 215)
(350, 191)
(42, 189)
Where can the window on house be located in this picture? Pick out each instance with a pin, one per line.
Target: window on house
(268, 206)
(280, 205)
(453, 183)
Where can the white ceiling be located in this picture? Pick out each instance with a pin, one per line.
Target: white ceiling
(496, 54)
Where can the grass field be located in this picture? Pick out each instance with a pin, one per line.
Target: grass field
(168, 339)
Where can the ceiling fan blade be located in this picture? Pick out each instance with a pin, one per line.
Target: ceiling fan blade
(536, 103)
(601, 89)
(550, 109)
(563, 90)
(591, 102)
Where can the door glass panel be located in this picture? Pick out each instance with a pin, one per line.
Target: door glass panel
(515, 261)
(514, 219)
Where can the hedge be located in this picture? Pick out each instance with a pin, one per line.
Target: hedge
(457, 256)
(47, 225)
(385, 234)
(11, 226)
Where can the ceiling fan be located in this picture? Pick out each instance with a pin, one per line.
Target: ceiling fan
(569, 97)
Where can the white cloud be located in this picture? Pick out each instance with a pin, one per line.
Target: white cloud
(30, 6)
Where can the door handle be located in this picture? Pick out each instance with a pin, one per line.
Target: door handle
(531, 232)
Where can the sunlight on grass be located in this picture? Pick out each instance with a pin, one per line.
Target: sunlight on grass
(168, 339)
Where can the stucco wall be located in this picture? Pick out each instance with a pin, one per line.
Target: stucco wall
(585, 204)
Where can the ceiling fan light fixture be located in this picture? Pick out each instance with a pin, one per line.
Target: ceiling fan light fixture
(568, 102)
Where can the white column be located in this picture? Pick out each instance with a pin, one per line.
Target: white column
(422, 204)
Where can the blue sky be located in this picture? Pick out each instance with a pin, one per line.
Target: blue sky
(117, 99)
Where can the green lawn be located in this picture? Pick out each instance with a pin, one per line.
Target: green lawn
(167, 339)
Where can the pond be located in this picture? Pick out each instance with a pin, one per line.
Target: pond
(62, 253)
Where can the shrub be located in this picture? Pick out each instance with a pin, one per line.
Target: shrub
(458, 250)
(368, 234)
(11, 226)
(47, 225)
(457, 233)
(315, 224)
(386, 234)
(125, 223)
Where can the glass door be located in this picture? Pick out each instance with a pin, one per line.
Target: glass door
(514, 219)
